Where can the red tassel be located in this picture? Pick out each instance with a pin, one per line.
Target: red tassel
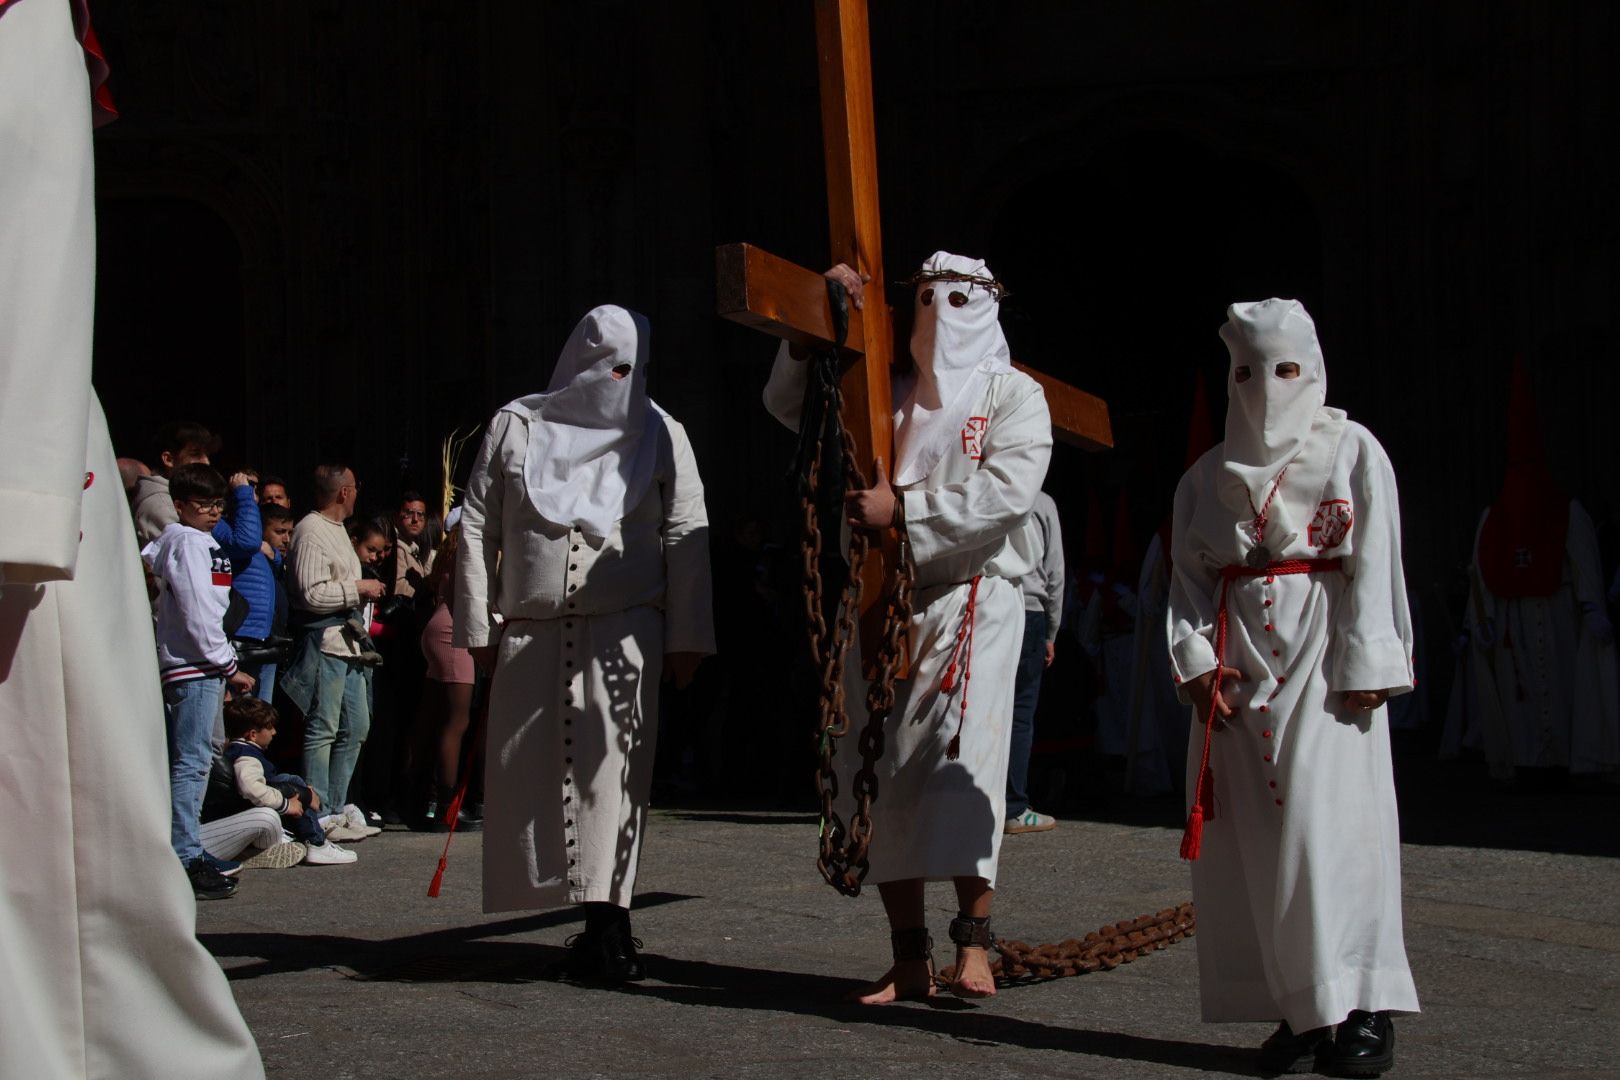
(1192, 837)
(954, 751)
(452, 813)
(948, 683)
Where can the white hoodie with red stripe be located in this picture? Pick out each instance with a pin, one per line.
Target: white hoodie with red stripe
(195, 578)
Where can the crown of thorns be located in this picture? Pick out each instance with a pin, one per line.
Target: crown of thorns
(922, 276)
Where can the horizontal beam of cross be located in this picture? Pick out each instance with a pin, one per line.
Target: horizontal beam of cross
(787, 301)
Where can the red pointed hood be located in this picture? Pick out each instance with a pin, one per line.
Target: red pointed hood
(1521, 547)
(1094, 556)
(1200, 430)
(1127, 561)
(1200, 437)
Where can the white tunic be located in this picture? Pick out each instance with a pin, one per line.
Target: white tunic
(938, 818)
(104, 975)
(1536, 686)
(573, 716)
(1298, 886)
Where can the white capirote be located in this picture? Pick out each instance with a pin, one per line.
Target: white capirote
(588, 457)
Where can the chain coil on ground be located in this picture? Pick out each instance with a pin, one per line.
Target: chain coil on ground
(1103, 949)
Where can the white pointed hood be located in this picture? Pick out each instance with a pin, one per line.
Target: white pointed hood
(1268, 418)
(591, 453)
(957, 346)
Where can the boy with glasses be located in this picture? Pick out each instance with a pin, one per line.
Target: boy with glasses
(195, 659)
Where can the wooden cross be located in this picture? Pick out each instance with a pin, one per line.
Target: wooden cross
(788, 301)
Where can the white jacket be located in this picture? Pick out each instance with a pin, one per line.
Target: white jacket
(195, 578)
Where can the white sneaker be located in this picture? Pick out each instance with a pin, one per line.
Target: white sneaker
(328, 854)
(342, 830)
(357, 820)
(1029, 821)
(277, 856)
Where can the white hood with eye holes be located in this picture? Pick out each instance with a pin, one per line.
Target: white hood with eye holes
(956, 350)
(588, 458)
(1268, 418)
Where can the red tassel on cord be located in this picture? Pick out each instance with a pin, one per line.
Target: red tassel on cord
(453, 811)
(1192, 837)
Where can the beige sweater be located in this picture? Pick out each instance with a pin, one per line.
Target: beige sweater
(323, 575)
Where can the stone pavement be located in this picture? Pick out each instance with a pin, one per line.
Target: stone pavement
(353, 972)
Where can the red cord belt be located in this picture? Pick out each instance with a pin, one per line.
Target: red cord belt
(1203, 807)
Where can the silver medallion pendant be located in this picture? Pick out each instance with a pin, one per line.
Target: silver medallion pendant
(1258, 557)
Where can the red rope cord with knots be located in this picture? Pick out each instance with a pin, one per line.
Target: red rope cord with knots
(1203, 807)
(964, 652)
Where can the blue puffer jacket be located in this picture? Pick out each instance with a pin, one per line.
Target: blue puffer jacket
(240, 534)
(257, 583)
(241, 537)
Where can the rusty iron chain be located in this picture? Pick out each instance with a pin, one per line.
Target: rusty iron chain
(1104, 949)
(843, 848)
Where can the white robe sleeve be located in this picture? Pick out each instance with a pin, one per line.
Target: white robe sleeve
(1000, 493)
(688, 590)
(47, 275)
(1372, 628)
(1190, 617)
(478, 555)
(784, 391)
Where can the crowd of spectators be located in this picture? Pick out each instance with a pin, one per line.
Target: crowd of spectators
(328, 626)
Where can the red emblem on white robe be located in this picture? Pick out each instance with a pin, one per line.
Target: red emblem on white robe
(973, 436)
(1331, 524)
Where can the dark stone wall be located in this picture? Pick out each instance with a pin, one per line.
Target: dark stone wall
(378, 223)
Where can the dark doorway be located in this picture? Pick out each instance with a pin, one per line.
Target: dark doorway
(169, 325)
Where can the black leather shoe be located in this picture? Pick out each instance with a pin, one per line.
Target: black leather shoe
(1363, 1046)
(620, 961)
(208, 883)
(1285, 1052)
(584, 959)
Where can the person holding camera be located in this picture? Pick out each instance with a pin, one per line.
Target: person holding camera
(326, 679)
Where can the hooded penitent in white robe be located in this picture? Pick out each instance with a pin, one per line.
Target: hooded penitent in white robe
(973, 437)
(103, 973)
(1537, 683)
(1298, 882)
(591, 592)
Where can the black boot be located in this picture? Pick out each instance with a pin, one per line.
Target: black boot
(620, 961)
(1363, 1046)
(605, 951)
(1285, 1052)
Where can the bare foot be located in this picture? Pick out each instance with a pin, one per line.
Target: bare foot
(908, 980)
(972, 978)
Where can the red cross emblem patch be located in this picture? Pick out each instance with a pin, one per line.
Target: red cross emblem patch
(973, 436)
(1330, 525)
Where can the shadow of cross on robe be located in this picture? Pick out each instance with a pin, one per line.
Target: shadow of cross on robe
(780, 298)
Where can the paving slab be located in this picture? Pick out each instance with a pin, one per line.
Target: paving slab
(353, 971)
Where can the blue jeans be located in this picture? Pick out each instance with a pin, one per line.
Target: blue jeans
(191, 711)
(265, 688)
(335, 724)
(1026, 694)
